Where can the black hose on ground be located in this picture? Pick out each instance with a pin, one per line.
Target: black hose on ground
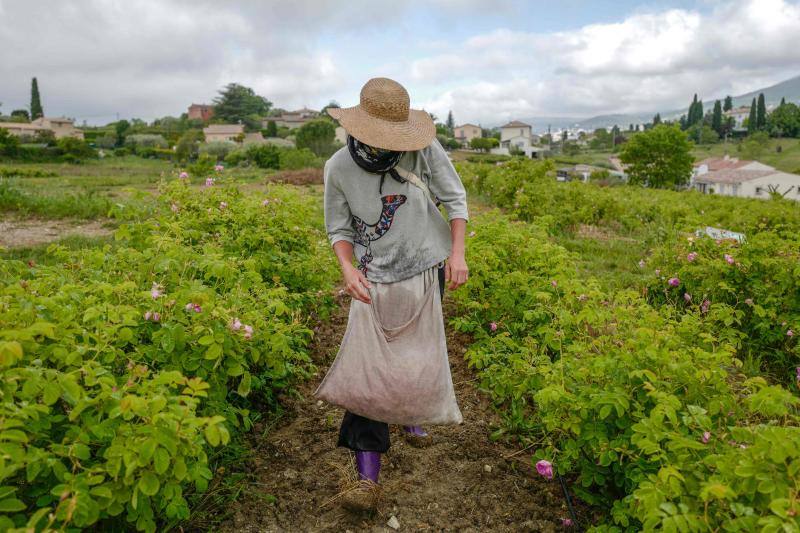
(569, 502)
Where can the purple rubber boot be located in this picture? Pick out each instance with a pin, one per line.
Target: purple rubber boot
(417, 431)
(368, 465)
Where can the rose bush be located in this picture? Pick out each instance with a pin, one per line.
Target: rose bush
(119, 370)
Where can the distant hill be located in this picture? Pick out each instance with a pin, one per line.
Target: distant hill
(789, 89)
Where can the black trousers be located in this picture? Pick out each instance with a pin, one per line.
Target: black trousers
(363, 434)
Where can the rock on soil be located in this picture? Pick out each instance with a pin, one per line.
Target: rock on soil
(443, 487)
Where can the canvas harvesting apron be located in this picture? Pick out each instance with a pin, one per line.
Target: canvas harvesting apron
(392, 365)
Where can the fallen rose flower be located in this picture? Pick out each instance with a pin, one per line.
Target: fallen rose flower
(472, 233)
(674, 282)
(706, 437)
(545, 469)
(493, 326)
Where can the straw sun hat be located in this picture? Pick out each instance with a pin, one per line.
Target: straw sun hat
(383, 119)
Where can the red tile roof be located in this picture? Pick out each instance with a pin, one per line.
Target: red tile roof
(719, 163)
(516, 124)
(732, 175)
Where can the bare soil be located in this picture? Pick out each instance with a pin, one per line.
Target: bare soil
(461, 482)
(20, 233)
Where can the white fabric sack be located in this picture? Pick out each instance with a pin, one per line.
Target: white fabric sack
(392, 365)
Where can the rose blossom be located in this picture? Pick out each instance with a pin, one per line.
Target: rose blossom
(235, 324)
(729, 259)
(566, 522)
(545, 469)
(265, 202)
(674, 282)
(704, 306)
(493, 326)
(706, 437)
(687, 297)
(219, 168)
(155, 291)
(790, 333)
(209, 182)
(248, 332)
(554, 283)
(691, 256)
(183, 175)
(223, 205)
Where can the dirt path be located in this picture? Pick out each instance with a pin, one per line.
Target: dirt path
(462, 482)
(21, 232)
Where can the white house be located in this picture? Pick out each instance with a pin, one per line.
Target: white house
(738, 114)
(730, 176)
(60, 126)
(518, 136)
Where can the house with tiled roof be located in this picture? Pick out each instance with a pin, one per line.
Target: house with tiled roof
(60, 126)
(730, 176)
(517, 136)
(292, 119)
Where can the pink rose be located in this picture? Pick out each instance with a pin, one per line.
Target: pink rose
(691, 257)
(265, 203)
(155, 291)
(223, 205)
(729, 259)
(209, 182)
(790, 333)
(705, 306)
(674, 282)
(183, 175)
(545, 469)
(235, 324)
(706, 437)
(687, 297)
(248, 332)
(493, 326)
(219, 168)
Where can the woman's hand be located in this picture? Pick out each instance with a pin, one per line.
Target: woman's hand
(356, 284)
(456, 271)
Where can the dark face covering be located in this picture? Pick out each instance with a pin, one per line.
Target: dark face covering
(375, 160)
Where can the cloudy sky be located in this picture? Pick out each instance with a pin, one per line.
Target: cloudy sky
(488, 61)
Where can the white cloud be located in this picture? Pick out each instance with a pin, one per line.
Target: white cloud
(648, 61)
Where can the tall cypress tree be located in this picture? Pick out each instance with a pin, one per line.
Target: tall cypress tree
(716, 117)
(692, 113)
(752, 120)
(36, 102)
(728, 105)
(761, 116)
(657, 119)
(783, 101)
(698, 112)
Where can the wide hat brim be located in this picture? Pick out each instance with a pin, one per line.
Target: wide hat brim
(413, 134)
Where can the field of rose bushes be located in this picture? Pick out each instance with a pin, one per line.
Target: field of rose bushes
(123, 366)
(673, 404)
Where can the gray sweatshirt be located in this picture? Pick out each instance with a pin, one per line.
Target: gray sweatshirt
(399, 232)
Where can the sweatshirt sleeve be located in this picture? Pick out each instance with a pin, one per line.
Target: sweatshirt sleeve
(336, 210)
(445, 182)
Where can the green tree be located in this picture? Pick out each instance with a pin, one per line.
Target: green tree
(752, 120)
(331, 104)
(36, 101)
(657, 119)
(317, 135)
(121, 128)
(483, 143)
(703, 134)
(451, 123)
(761, 113)
(188, 145)
(784, 121)
(660, 157)
(728, 105)
(237, 103)
(272, 129)
(21, 114)
(9, 144)
(716, 117)
(783, 101)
